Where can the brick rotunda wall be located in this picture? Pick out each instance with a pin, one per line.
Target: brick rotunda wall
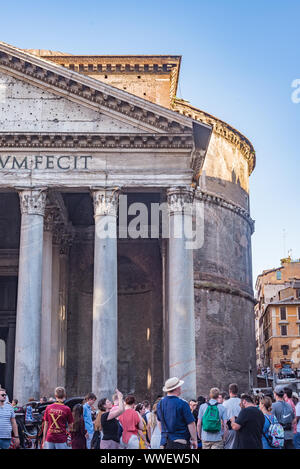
(225, 337)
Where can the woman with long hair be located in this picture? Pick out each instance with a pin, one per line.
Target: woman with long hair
(143, 443)
(77, 428)
(109, 423)
(265, 405)
(97, 424)
(154, 432)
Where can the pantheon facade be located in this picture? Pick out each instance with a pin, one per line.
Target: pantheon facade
(92, 296)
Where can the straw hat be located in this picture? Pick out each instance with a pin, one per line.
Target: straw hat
(172, 383)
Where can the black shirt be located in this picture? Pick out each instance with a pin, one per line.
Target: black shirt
(249, 436)
(110, 428)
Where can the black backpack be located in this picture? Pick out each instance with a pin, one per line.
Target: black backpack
(95, 443)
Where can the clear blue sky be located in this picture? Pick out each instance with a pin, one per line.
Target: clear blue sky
(239, 60)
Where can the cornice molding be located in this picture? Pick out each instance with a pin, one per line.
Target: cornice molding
(221, 202)
(111, 64)
(220, 128)
(103, 97)
(89, 140)
(117, 64)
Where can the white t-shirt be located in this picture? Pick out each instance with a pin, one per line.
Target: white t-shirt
(298, 415)
(232, 407)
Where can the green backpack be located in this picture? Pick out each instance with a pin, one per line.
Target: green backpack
(211, 421)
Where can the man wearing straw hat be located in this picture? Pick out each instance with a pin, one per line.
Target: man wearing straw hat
(178, 429)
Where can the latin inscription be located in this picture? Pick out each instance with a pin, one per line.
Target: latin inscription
(45, 162)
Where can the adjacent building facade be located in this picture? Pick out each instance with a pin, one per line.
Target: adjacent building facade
(88, 143)
(277, 315)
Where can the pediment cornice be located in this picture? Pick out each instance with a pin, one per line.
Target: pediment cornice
(93, 93)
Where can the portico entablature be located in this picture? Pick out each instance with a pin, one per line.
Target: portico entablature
(76, 168)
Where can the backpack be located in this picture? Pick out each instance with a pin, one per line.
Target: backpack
(120, 430)
(275, 434)
(211, 421)
(95, 444)
(287, 416)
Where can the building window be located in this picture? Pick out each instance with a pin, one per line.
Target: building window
(283, 313)
(285, 349)
(298, 329)
(278, 275)
(299, 313)
(283, 330)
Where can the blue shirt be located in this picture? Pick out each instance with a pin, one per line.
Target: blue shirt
(6, 414)
(175, 415)
(87, 417)
(28, 415)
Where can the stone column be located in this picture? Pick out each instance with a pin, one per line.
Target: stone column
(55, 307)
(182, 359)
(63, 308)
(29, 302)
(9, 369)
(165, 309)
(105, 298)
(45, 383)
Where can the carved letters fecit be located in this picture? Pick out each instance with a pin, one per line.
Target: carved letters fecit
(45, 162)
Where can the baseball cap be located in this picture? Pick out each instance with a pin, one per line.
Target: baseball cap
(279, 390)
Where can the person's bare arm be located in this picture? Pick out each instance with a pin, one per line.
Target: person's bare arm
(225, 428)
(114, 413)
(45, 431)
(199, 428)
(15, 431)
(235, 426)
(193, 433)
(295, 418)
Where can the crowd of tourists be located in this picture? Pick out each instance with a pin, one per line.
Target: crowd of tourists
(220, 421)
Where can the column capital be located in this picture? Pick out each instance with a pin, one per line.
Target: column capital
(33, 201)
(179, 198)
(105, 201)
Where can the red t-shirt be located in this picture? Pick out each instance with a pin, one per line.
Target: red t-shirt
(130, 423)
(58, 416)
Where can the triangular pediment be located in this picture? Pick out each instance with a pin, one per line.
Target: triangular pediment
(92, 94)
(25, 107)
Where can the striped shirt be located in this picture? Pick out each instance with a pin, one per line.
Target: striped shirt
(6, 414)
